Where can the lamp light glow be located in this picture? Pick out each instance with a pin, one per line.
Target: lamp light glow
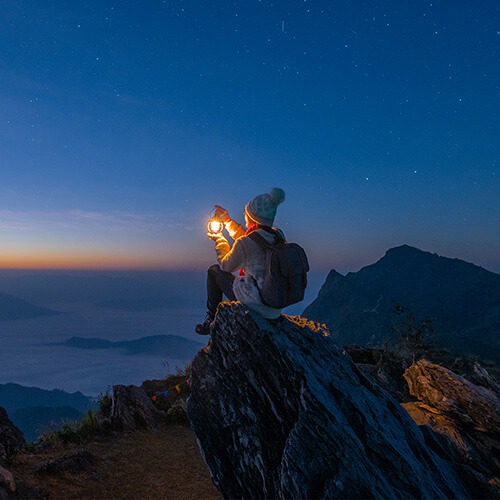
(215, 226)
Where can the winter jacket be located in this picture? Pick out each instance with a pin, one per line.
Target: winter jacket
(246, 254)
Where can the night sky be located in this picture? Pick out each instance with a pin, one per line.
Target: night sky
(123, 123)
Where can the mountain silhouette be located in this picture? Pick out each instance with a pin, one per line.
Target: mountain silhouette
(35, 410)
(12, 308)
(172, 346)
(15, 396)
(461, 299)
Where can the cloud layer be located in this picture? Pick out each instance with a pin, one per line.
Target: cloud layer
(114, 220)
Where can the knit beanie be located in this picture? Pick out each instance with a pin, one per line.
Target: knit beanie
(262, 209)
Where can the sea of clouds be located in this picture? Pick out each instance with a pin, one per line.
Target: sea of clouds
(115, 306)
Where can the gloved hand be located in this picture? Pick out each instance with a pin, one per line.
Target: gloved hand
(222, 214)
(215, 236)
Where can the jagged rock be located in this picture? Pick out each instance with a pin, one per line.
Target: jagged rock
(133, 409)
(18, 489)
(7, 481)
(467, 416)
(385, 367)
(72, 463)
(453, 395)
(484, 378)
(12, 439)
(281, 412)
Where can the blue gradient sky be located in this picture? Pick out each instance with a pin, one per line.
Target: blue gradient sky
(122, 123)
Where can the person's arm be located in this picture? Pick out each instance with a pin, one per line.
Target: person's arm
(234, 229)
(230, 259)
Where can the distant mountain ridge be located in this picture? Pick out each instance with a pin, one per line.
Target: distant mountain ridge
(12, 308)
(172, 346)
(462, 299)
(35, 410)
(15, 396)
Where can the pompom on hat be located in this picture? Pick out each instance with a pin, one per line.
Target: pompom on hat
(262, 209)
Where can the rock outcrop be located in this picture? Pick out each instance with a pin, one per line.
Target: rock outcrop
(12, 442)
(280, 411)
(384, 367)
(131, 409)
(11, 438)
(7, 484)
(464, 419)
(476, 407)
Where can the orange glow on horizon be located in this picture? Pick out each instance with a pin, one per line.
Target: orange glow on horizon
(92, 261)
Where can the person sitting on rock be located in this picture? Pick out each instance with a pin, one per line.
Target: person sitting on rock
(245, 255)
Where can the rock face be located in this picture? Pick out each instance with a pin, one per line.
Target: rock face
(464, 417)
(7, 483)
(281, 412)
(385, 368)
(132, 409)
(451, 394)
(12, 442)
(11, 438)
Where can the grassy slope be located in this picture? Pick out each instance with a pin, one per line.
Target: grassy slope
(137, 465)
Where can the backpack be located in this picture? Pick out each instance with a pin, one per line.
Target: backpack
(285, 279)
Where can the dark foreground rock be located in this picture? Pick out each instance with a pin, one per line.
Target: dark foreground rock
(476, 407)
(384, 367)
(131, 409)
(464, 420)
(12, 439)
(7, 484)
(12, 443)
(281, 412)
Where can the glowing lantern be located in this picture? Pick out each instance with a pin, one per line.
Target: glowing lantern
(215, 226)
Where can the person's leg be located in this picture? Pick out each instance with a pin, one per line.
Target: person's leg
(219, 283)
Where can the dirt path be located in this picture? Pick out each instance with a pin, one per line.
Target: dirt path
(139, 465)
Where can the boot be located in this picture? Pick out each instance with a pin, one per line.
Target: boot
(204, 328)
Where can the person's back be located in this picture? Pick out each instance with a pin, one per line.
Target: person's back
(255, 262)
(247, 287)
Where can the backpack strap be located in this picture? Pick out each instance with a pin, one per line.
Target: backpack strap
(260, 240)
(279, 239)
